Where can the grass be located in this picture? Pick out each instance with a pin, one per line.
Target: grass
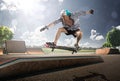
(48, 50)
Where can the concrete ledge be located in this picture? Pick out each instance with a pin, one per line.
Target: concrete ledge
(107, 51)
(23, 66)
(28, 51)
(35, 51)
(1, 51)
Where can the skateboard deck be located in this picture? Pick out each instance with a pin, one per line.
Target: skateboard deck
(73, 49)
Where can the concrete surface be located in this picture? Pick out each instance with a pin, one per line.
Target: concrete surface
(16, 65)
(109, 70)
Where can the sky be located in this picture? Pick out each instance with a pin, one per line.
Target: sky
(26, 17)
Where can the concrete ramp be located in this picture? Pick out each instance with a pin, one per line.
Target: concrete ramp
(19, 47)
(13, 46)
(17, 67)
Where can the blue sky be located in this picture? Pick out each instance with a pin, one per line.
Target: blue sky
(26, 17)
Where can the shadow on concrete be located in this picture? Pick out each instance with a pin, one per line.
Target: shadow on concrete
(31, 68)
(91, 76)
(114, 51)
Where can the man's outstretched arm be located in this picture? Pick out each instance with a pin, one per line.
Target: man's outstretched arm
(83, 13)
(50, 25)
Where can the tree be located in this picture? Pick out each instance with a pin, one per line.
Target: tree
(113, 37)
(106, 44)
(5, 34)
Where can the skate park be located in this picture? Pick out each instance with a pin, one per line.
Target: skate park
(59, 40)
(21, 62)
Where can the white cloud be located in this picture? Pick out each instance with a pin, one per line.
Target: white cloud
(8, 5)
(99, 37)
(69, 42)
(26, 6)
(46, 0)
(86, 44)
(3, 6)
(14, 24)
(35, 38)
(13, 29)
(118, 27)
(60, 1)
(95, 36)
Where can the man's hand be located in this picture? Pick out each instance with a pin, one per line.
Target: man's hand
(91, 11)
(43, 28)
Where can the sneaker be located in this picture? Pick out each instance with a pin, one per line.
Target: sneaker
(52, 44)
(76, 45)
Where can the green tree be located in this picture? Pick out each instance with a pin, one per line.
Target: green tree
(106, 44)
(5, 34)
(113, 37)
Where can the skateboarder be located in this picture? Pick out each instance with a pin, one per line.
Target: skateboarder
(70, 23)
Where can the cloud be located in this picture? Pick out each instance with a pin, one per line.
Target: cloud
(3, 7)
(35, 38)
(26, 6)
(95, 36)
(13, 29)
(86, 44)
(27, 15)
(46, 0)
(99, 37)
(8, 5)
(69, 42)
(118, 27)
(60, 1)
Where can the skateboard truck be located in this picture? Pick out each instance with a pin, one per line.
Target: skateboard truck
(75, 50)
(53, 49)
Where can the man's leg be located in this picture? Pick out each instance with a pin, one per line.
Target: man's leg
(78, 36)
(60, 30)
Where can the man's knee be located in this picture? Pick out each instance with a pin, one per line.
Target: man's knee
(79, 33)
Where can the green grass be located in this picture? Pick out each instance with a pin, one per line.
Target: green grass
(48, 50)
(87, 50)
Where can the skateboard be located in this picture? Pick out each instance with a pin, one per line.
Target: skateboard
(73, 49)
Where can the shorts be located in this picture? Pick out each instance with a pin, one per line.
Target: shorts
(71, 32)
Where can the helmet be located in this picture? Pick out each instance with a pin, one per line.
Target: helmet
(66, 12)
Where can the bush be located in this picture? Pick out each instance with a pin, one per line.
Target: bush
(106, 44)
(5, 34)
(113, 37)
